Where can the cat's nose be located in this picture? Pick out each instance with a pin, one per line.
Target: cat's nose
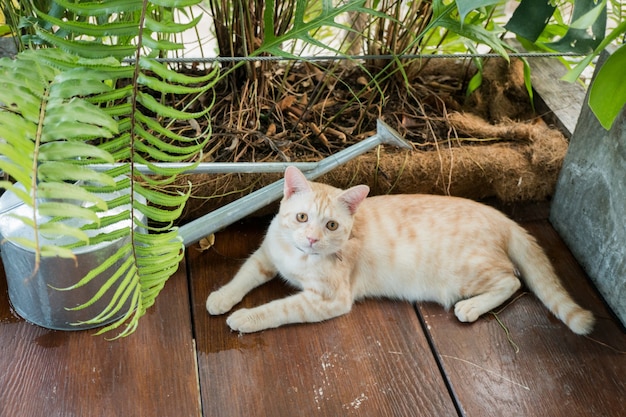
(312, 240)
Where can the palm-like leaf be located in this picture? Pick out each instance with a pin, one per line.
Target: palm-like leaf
(62, 113)
(302, 29)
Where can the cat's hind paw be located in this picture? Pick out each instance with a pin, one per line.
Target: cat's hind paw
(219, 302)
(245, 321)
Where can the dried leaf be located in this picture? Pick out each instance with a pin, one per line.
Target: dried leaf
(271, 130)
(206, 243)
(196, 126)
(286, 102)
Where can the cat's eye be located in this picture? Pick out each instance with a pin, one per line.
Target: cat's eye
(332, 225)
(302, 217)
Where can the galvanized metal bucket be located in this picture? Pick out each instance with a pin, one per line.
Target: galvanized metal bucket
(34, 295)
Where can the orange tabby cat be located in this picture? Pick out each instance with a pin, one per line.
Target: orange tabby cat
(339, 246)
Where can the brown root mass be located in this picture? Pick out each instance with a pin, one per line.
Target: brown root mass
(487, 145)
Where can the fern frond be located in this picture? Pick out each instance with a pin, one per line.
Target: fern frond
(72, 116)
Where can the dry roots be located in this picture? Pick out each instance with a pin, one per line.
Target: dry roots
(487, 145)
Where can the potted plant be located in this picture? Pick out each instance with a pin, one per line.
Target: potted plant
(66, 107)
(72, 104)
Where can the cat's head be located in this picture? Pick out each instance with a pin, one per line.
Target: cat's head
(317, 218)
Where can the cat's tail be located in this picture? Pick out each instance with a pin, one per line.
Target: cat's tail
(538, 274)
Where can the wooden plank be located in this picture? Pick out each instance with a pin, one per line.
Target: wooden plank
(554, 373)
(556, 100)
(53, 373)
(373, 361)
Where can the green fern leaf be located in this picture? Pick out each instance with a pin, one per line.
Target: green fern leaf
(73, 115)
(99, 8)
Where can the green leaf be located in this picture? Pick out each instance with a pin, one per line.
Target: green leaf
(65, 62)
(160, 130)
(112, 236)
(73, 130)
(122, 252)
(23, 242)
(132, 316)
(301, 29)
(583, 40)
(466, 6)
(161, 44)
(87, 29)
(170, 27)
(163, 87)
(528, 82)
(161, 150)
(21, 193)
(27, 105)
(67, 210)
(52, 190)
(18, 131)
(61, 252)
(83, 81)
(5, 29)
(165, 73)
(530, 18)
(607, 95)
(160, 198)
(99, 8)
(59, 229)
(122, 294)
(166, 175)
(152, 104)
(175, 3)
(573, 74)
(77, 119)
(88, 49)
(476, 33)
(65, 171)
(159, 214)
(475, 82)
(17, 172)
(14, 155)
(118, 299)
(109, 96)
(590, 16)
(156, 240)
(62, 150)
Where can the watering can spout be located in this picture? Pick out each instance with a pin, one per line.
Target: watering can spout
(195, 230)
(390, 136)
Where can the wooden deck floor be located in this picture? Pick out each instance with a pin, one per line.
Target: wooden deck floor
(385, 358)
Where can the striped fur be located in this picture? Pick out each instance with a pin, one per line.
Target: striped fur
(339, 246)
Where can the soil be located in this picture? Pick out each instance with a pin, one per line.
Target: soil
(488, 144)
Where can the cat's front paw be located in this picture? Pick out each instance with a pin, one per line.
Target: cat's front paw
(467, 311)
(219, 302)
(245, 321)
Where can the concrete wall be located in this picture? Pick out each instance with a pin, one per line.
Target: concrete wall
(589, 206)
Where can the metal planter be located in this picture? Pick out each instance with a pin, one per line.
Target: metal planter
(34, 294)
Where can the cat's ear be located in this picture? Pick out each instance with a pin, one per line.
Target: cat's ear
(352, 197)
(295, 182)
